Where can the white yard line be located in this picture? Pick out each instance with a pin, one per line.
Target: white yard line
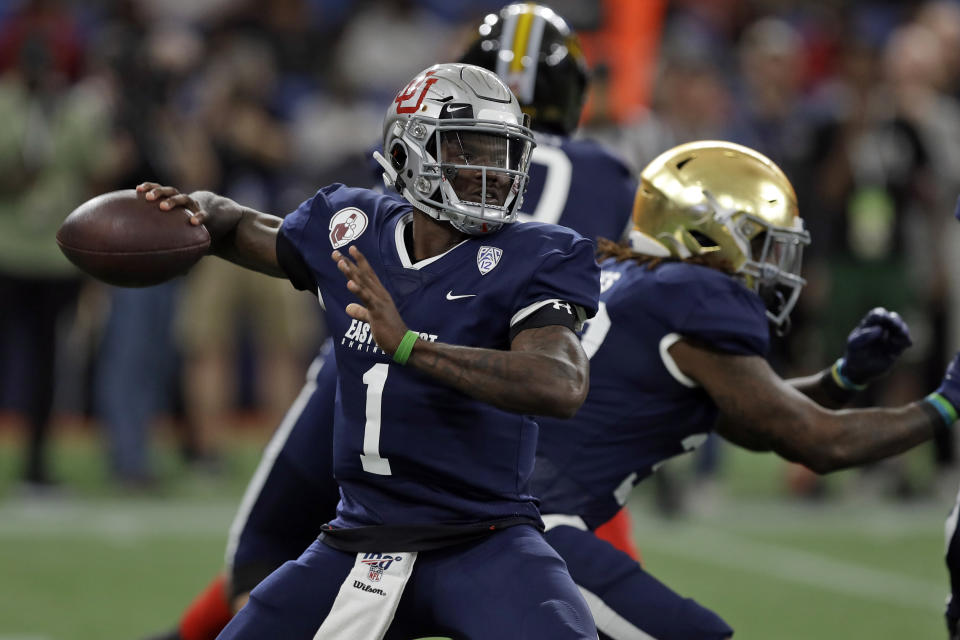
(114, 520)
(802, 567)
(723, 540)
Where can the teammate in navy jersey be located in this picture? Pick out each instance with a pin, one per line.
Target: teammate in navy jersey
(292, 493)
(435, 531)
(575, 182)
(717, 243)
(953, 568)
(952, 535)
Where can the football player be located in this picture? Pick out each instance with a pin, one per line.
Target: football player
(433, 439)
(574, 182)
(717, 243)
(953, 568)
(952, 536)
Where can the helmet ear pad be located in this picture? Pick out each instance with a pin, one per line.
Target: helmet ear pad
(398, 155)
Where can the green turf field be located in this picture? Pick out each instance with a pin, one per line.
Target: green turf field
(100, 565)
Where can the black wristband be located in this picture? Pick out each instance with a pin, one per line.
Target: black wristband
(835, 392)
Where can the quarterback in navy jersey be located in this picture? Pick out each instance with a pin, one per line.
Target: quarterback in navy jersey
(717, 243)
(293, 493)
(433, 440)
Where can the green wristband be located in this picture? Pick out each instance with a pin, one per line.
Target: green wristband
(843, 381)
(402, 354)
(944, 407)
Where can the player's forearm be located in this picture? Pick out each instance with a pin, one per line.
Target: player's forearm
(842, 439)
(516, 381)
(240, 234)
(818, 388)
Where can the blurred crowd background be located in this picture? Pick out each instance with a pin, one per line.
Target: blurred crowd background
(266, 101)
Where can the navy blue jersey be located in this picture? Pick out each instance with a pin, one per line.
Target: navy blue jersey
(581, 185)
(409, 450)
(641, 410)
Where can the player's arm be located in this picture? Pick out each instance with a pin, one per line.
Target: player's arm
(239, 234)
(761, 411)
(545, 372)
(872, 348)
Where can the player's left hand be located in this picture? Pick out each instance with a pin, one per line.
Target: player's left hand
(377, 308)
(874, 345)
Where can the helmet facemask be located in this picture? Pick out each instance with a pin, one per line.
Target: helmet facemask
(475, 172)
(772, 267)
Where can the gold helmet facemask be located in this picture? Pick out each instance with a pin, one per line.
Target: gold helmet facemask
(721, 198)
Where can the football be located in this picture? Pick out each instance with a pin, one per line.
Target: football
(123, 239)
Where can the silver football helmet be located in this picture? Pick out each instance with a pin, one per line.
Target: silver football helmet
(458, 147)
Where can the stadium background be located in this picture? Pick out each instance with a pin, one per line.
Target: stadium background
(857, 101)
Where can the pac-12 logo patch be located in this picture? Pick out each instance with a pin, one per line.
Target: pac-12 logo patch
(488, 258)
(377, 564)
(346, 226)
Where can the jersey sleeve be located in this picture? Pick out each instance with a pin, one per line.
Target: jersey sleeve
(566, 274)
(726, 315)
(297, 270)
(310, 218)
(312, 231)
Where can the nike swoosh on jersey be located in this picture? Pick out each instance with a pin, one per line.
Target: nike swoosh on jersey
(450, 295)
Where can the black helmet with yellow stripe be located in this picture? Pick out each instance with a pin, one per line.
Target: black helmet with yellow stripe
(535, 52)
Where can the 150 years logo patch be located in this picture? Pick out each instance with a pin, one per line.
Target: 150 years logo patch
(378, 564)
(346, 226)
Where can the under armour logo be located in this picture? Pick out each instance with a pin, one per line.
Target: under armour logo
(562, 305)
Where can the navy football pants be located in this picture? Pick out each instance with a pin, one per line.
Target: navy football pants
(511, 584)
(292, 492)
(627, 602)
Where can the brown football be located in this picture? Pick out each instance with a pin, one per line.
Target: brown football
(123, 239)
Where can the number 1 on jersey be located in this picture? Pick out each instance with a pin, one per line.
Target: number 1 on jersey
(374, 378)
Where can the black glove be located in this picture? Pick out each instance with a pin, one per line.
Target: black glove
(872, 348)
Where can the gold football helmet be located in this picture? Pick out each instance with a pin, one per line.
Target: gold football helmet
(715, 197)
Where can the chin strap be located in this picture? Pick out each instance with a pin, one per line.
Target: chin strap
(391, 179)
(640, 242)
(782, 328)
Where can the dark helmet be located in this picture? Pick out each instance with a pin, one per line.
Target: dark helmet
(531, 47)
